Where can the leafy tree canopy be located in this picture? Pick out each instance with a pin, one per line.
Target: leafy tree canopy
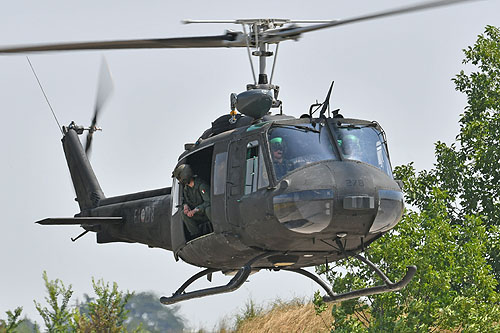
(104, 313)
(110, 310)
(57, 316)
(145, 311)
(12, 321)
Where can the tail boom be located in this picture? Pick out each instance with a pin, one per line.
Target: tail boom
(87, 188)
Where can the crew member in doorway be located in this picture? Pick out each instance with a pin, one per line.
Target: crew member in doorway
(196, 201)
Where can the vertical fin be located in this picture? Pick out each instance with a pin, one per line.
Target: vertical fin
(88, 190)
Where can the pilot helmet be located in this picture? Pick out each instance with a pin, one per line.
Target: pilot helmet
(277, 144)
(351, 138)
(183, 173)
(350, 144)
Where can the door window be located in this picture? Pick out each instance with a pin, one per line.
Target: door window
(256, 174)
(175, 196)
(220, 173)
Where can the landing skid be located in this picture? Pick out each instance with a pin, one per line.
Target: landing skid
(242, 275)
(388, 284)
(236, 282)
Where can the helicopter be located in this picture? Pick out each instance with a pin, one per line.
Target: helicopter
(287, 234)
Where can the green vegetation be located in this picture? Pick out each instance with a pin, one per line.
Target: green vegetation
(146, 312)
(12, 321)
(111, 310)
(17, 325)
(106, 313)
(57, 317)
(452, 231)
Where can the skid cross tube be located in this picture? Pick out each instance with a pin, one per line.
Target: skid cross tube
(386, 287)
(236, 282)
(314, 278)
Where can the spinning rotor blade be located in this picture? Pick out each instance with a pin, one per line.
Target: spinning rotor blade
(105, 85)
(230, 39)
(286, 33)
(104, 90)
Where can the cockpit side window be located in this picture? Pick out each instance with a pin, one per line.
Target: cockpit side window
(255, 175)
(363, 143)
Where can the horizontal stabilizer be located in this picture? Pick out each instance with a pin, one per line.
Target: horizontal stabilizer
(80, 220)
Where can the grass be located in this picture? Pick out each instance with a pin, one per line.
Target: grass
(296, 315)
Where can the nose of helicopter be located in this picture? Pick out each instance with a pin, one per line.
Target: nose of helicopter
(339, 197)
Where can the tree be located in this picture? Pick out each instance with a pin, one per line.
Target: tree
(57, 317)
(111, 310)
(105, 313)
(12, 321)
(453, 231)
(475, 181)
(146, 312)
(27, 326)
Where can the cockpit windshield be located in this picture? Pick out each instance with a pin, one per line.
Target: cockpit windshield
(363, 143)
(293, 146)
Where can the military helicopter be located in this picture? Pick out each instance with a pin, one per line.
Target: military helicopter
(335, 197)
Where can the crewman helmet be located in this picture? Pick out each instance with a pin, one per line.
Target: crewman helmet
(183, 173)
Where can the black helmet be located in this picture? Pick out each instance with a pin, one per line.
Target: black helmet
(183, 173)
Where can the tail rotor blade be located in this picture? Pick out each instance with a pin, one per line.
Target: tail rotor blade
(90, 135)
(104, 90)
(105, 86)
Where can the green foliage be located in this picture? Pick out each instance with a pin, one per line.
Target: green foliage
(109, 311)
(147, 313)
(347, 318)
(57, 316)
(27, 326)
(479, 139)
(12, 321)
(105, 313)
(319, 305)
(453, 233)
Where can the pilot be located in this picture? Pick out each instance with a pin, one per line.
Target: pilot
(281, 165)
(196, 200)
(350, 145)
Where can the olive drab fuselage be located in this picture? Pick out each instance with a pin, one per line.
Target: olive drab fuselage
(335, 196)
(328, 194)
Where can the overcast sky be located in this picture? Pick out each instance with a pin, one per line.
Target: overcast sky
(397, 71)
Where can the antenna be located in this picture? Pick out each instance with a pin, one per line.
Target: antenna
(45, 95)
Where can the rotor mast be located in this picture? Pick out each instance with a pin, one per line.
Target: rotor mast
(254, 35)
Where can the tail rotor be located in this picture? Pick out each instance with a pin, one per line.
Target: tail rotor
(104, 90)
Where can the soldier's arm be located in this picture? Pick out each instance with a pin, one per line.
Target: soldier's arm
(205, 195)
(184, 204)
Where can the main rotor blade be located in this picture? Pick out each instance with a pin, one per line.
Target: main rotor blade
(295, 32)
(230, 39)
